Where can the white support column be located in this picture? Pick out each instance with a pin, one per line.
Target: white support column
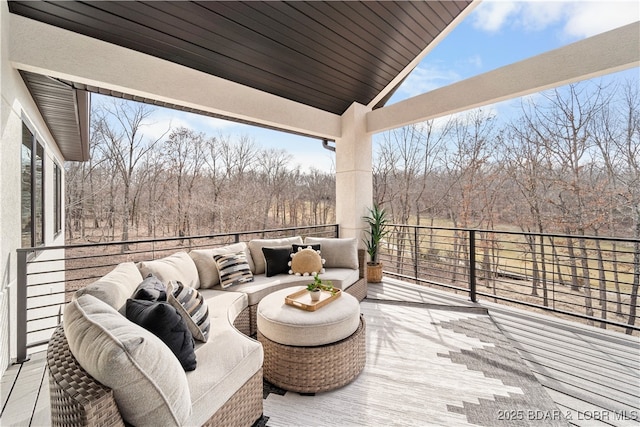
(354, 179)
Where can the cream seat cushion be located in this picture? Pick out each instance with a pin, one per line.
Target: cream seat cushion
(148, 382)
(289, 325)
(262, 285)
(226, 361)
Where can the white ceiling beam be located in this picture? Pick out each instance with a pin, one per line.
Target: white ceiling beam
(409, 68)
(52, 51)
(602, 54)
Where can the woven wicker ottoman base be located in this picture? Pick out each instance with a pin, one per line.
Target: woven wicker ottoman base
(315, 369)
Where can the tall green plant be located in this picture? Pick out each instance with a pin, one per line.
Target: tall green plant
(377, 220)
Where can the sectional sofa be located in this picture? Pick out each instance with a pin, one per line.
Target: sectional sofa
(109, 368)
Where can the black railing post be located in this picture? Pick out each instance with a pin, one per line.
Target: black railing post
(472, 266)
(21, 308)
(415, 253)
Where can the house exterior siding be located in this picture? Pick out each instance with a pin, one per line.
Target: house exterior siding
(17, 107)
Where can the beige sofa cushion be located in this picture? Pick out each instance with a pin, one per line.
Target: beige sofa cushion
(256, 245)
(179, 267)
(207, 269)
(116, 286)
(337, 253)
(226, 361)
(148, 383)
(262, 285)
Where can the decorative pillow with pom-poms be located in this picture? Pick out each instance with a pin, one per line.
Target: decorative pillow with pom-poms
(306, 262)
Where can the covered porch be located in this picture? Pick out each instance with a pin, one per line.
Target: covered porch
(64, 53)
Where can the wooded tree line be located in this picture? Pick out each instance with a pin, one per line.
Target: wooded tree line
(568, 161)
(185, 182)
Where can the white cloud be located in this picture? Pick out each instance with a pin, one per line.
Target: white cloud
(491, 16)
(425, 78)
(590, 18)
(579, 18)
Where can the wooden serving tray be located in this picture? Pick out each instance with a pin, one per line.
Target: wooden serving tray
(302, 299)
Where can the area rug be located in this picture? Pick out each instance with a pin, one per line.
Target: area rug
(426, 365)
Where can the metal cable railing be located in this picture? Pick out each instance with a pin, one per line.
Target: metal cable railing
(48, 276)
(595, 279)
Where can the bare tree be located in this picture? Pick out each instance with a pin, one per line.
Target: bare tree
(617, 135)
(184, 152)
(119, 135)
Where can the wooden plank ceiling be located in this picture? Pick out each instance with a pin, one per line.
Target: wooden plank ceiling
(323, 54)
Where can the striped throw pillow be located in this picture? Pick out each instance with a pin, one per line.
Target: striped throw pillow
(192, 307)
(233, 269)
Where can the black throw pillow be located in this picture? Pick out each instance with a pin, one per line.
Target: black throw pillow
(296, 247)
(276, 260)
(163, 320)
(151, 289)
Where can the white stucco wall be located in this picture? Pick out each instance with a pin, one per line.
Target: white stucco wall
(16, 103)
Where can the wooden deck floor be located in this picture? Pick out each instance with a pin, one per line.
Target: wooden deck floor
(593, 375)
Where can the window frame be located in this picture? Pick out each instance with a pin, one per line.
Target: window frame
(57, 198)
(36, 188)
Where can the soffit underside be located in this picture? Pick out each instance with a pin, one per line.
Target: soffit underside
(324, 54)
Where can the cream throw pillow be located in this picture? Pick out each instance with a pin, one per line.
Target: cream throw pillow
(148, 382)
(337, 253)
(178, 267)
(116, 286)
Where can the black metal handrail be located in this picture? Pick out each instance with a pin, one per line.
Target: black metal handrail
(592, 278)
(48, 276)
(586, 277)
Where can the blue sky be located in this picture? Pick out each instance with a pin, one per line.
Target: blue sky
(495, 34)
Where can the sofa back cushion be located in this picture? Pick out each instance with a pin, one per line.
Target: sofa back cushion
(337, 253)
(115, 287)
(207, 269)
(148, 382)
(256, 245)
(178, 267)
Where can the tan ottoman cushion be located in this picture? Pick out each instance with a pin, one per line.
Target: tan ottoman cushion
(289, 325)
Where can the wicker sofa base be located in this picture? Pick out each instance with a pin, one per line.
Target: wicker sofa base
(315, 369)
(243, 408)
(79, 400)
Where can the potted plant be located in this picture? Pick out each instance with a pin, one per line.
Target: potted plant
(319, 285)
(377, 221)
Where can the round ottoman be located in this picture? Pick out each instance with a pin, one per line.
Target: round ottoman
(311, 351)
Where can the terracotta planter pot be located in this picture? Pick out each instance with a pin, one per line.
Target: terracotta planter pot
(374, 272)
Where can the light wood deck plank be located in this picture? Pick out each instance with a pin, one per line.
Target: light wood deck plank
(541, 345)
(22, 401)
